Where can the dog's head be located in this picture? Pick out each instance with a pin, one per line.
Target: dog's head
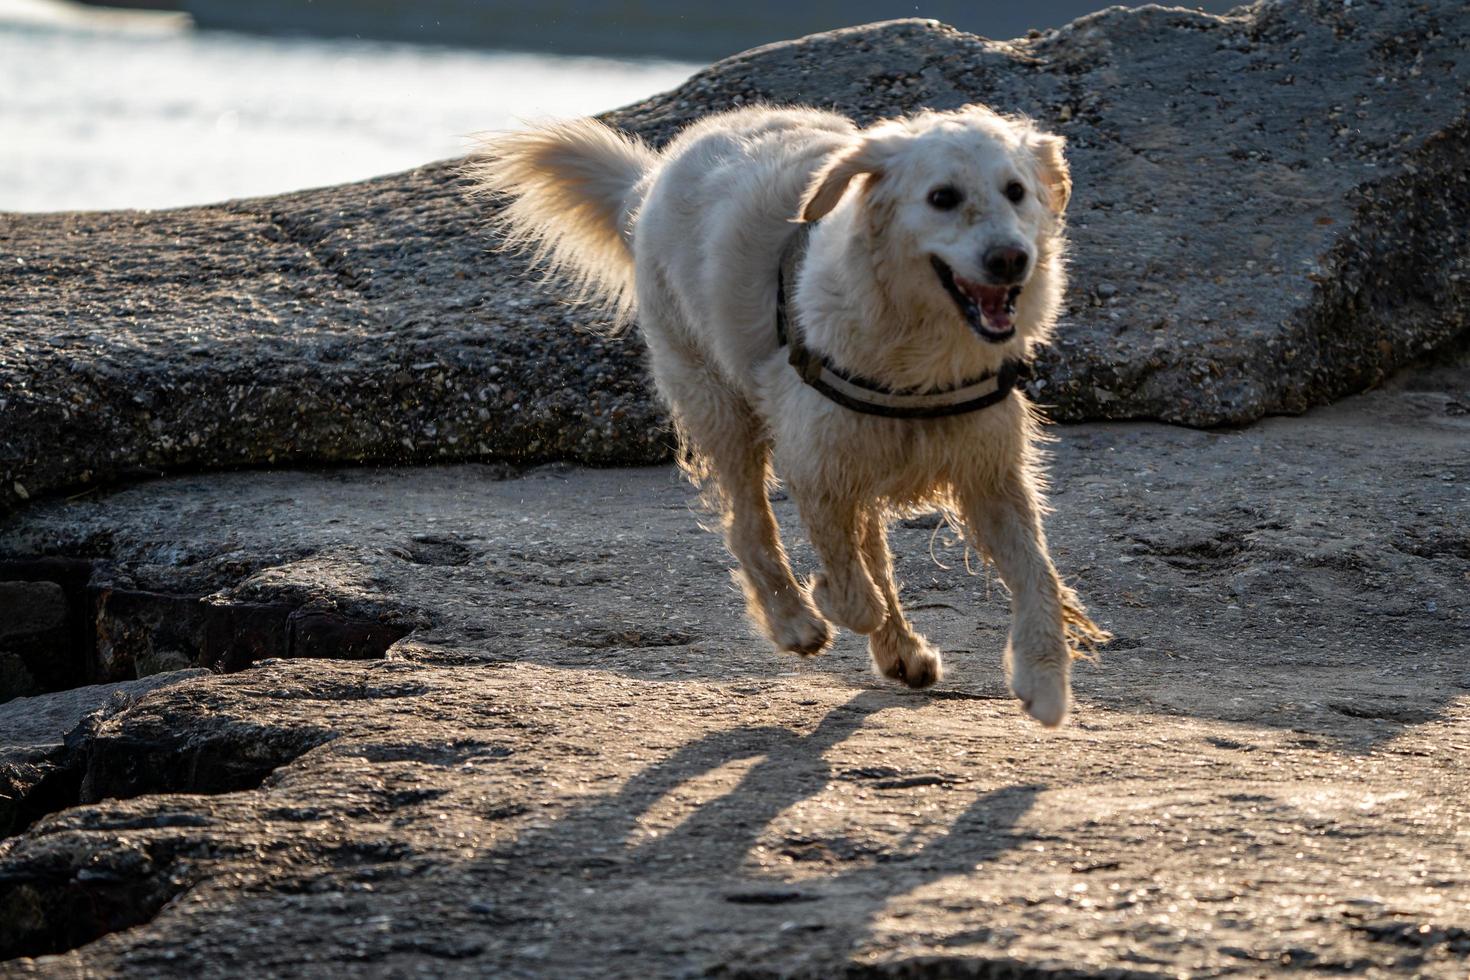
(963, 215)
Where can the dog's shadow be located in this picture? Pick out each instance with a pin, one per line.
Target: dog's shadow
(833, 902)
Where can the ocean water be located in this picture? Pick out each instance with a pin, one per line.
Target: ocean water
(106, 109)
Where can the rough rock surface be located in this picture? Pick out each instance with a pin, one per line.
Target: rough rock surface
(580, 763)
(1272, 210)
(39, 769)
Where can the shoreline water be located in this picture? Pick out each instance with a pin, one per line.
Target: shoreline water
(115, 109)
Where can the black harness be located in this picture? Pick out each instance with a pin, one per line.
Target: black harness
(870, 397)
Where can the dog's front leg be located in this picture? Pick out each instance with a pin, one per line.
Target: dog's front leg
(844, 592)
(1004, 522)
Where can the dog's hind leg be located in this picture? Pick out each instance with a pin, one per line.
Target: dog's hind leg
(845, 591)
(898, 652)
(1004, 522)
(725, 441)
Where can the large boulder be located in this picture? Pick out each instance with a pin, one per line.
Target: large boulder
(1272, 210)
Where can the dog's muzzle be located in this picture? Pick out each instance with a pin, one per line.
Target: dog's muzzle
(986, 308)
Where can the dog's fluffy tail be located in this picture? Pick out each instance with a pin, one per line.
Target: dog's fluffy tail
(571, 193)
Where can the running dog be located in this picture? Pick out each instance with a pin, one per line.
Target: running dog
(851, 305)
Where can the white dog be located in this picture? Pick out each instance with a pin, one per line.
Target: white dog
(852, 303)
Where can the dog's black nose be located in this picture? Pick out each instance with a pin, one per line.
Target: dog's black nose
(1006, 265)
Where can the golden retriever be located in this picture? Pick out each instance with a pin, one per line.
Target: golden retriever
(846, 304)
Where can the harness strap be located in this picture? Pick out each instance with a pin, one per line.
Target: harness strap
(870, 397)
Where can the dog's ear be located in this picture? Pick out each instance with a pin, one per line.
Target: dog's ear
(1056, 176)
(861, 157)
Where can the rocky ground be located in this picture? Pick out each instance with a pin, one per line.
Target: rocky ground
(504, 717)
(576, 761)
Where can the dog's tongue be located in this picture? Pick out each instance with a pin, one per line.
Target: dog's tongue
(992, 300)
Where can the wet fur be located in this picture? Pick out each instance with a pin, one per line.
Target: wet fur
(691, 238)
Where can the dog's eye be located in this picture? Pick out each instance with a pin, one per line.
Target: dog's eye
(1016, 192)
(945, 198)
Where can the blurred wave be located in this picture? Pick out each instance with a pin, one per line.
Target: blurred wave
(114, 109)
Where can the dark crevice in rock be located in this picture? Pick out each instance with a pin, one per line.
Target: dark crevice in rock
(99, 760)
(44, 625)
(44, 739)
(98, 633)
(1447, 544)
(434, 550)
(48, 785)
(149, 756)
(46, 910)
(103, 762)
(49, 904)
(64, 630)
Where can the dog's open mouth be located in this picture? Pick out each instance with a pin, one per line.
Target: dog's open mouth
(987, 309)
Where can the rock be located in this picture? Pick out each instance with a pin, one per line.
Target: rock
(1279, 195)
(581, 763)
(35, 632)
(72, 621)
(38, 771)
(43, 722)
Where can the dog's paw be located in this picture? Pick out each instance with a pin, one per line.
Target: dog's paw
(906, 657)
(785, 618)
(805, 633)
(1043, 688)
(861, 610)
